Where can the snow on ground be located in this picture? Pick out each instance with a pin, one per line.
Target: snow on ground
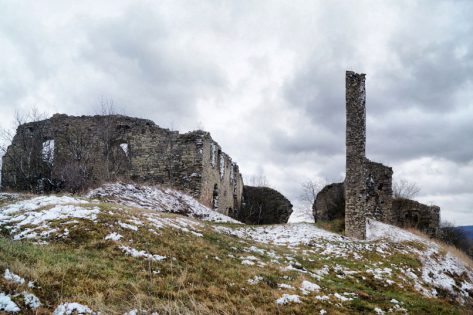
(31, 300)
(7, 305)
(141, 253)
(39, 211)
(439, 270)
(376, 230)
(288, 298)
(72, 308)
(307, 287)
(11, 277)
(159, 199)
(282, 234)
(113, 237)
(301, 215)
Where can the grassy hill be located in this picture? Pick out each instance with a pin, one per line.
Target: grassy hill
(112, 252)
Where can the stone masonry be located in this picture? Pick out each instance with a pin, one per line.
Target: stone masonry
(73, 153)
(368, 189)
(368, 185)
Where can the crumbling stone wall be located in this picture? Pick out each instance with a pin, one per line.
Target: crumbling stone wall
(368, 185)
(329, 203)
(410, 213)
(356, 172)
(368, 188)
(263, 205)
(72, 153)
(379, 193)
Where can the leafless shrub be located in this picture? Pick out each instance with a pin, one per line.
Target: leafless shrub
(258, 181)
(405, 189)
(310, 189)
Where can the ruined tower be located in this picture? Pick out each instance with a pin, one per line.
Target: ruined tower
(355, 154)
(368, 185)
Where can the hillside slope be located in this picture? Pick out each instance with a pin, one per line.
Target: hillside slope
(114, 253)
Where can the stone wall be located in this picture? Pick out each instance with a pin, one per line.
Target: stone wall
(263, 205)
(72, 153)
(410, 213)
(356, 175)
(368, 185)
(379, 193)
(329, 203)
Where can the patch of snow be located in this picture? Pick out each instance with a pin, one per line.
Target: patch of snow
(72, 308)
(141, 253)
(288, 298)
(255, 280)
(282, 234)
(438, 270)
(247, 262)
(184, 224)
(378, 311)
(342, 298)
(31, 300)
(158, 199)
(29, 213)
(376, 230)
(307, 287)
(10, 276)
(113, 236)
(285, 286)
(7, 305)
(128, 226)
(323, 297)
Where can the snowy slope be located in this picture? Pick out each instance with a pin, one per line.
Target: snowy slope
(135, 211)
(156, 198)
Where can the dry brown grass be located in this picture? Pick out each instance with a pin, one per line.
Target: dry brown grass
(454, 251)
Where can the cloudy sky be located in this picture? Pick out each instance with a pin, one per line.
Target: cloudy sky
(266, 78)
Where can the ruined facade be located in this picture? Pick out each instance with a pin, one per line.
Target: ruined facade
(368, 185)
(410, 213)
(72, 153)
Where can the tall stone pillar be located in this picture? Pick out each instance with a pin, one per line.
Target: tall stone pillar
(355, 212)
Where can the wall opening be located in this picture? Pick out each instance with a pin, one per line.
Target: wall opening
(215, 197)
(47, 151)
(124, 147)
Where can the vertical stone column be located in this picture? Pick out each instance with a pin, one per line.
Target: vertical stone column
(355, 216)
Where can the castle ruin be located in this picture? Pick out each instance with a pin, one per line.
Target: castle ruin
(368, 185)
(68, 153)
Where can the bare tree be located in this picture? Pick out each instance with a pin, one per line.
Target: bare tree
(77, 160)
(26, 160)
(310, 189)
(404, 189)
(258, 180)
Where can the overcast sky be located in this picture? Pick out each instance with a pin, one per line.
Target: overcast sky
(266, 78)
